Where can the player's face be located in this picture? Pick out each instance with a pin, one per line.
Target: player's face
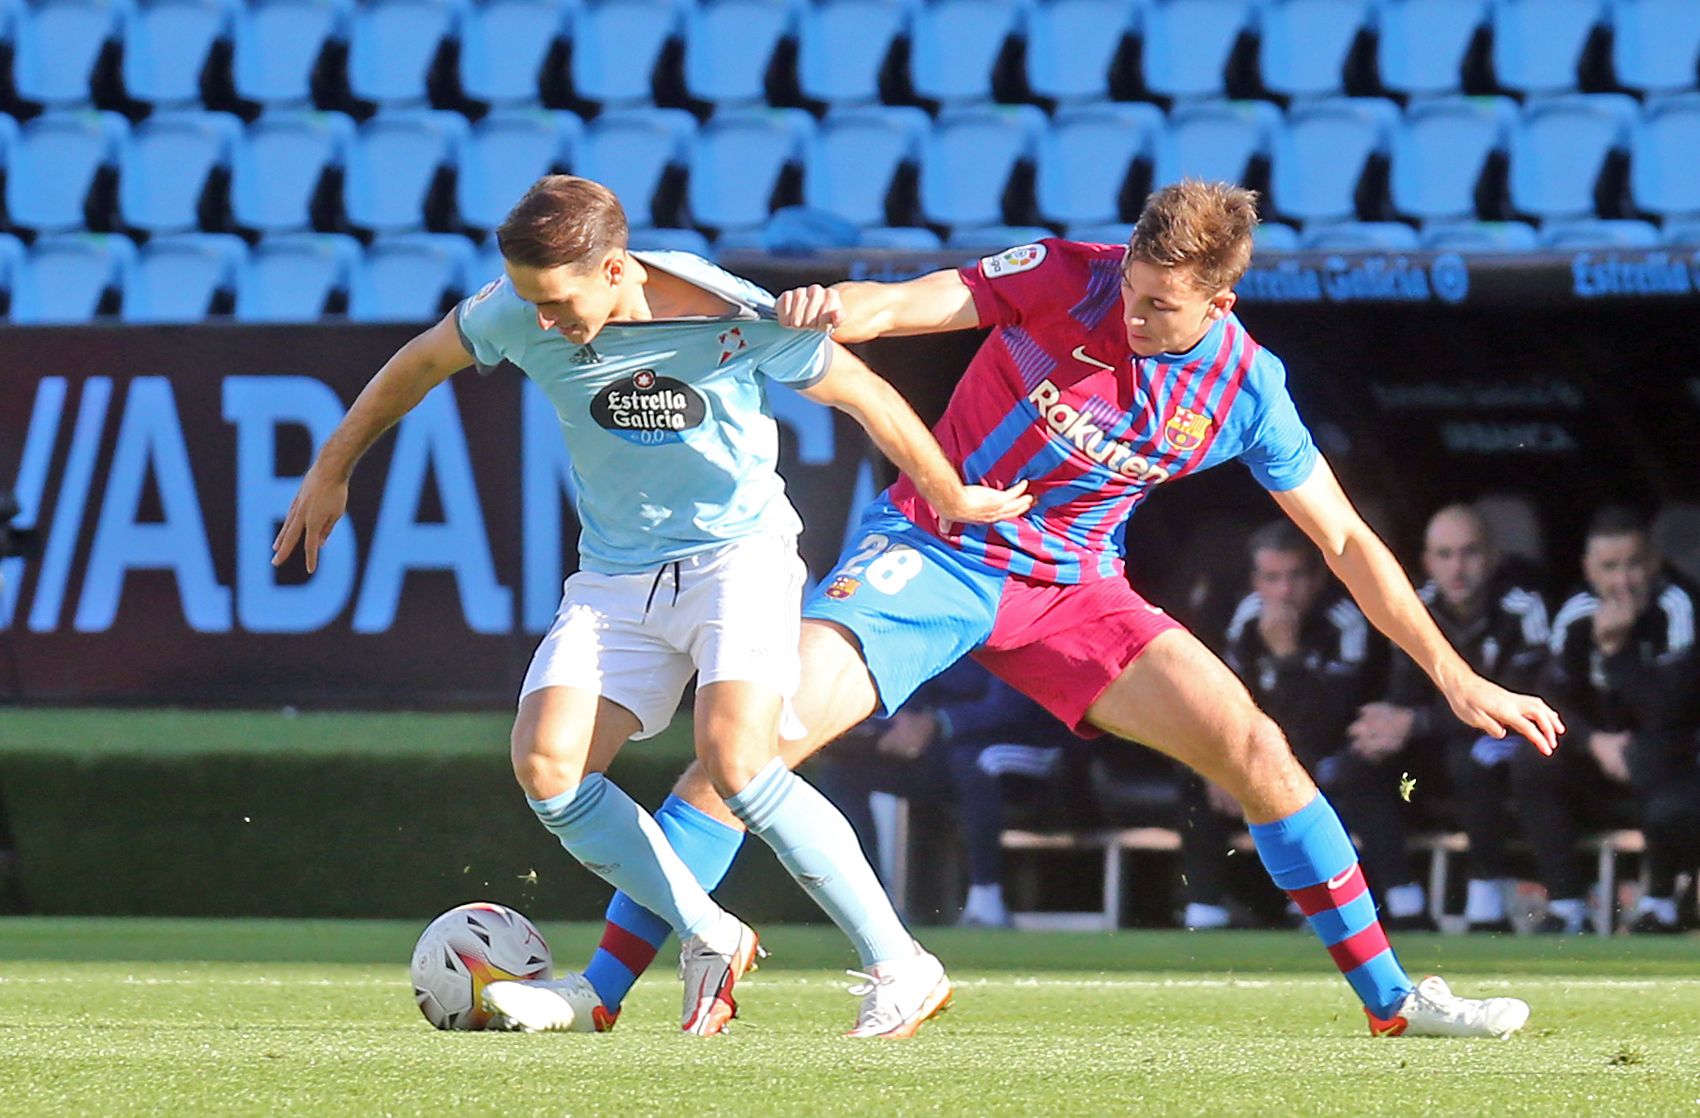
(572, 300)
(1165, 311)
(1285, 579)
(1621, 567)
(1458, 557)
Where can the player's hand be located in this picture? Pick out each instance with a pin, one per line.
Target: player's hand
(982, 504)
(318, 505)
(1496, 712)
(811, 308)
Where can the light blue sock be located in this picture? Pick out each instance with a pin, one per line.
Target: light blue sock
(619, 842)
(816, 843)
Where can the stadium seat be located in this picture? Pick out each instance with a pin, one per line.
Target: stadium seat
(898, 238)
(967, 160)
(843, 46)
(1188, 44)
(1305, 44)
(1422, 44)
(1560, 146)
(631, 153)
(1111, 233)
(58, 44)
(854, 156)
(8, 139)
(292, 277)
(729, 45)
(1072, 44)
(1214, 140)
(1684, 234)
(672, 240)
(1567, 235)
(1085, 158)
(167, 164)
(995, 238)
(11, 264)
(737, 160)
(1321, 154)
(279, 166)
(616, 46)
(1664, 168)
(1272, 236)
(1656, 44)
(486, 265)
(394, 164)
(504, 45)
(166, 45)
(1480, 236)
(278, 46)
(177, 279)
(957, 44)
(1361, 236)
(1440, 149)
(508, 151)
(67, 278)
(1538, 44)
(392, 45)
(54, 164)
(410, 277)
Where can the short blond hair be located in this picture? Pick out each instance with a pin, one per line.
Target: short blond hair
(1203, 226)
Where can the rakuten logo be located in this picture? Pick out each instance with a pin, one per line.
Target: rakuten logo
(1078, 428)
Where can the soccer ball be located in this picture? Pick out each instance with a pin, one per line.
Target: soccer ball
(464, 950)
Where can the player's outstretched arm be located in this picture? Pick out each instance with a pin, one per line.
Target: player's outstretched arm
(1359, 559)
(856, 312)
(858, 391)
(416, 368)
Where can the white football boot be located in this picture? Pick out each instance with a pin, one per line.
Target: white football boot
(1432, 1009)
(710, 966)
(900, 995)
(568, 1004)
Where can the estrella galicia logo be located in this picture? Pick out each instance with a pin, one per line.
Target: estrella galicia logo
(646, 409)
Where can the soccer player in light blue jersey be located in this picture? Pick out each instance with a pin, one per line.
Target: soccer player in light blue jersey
(659, 366)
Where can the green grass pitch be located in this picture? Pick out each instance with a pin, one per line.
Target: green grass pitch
(111, 1017)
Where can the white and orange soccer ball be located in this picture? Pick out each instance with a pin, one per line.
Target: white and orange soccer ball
(464, 950)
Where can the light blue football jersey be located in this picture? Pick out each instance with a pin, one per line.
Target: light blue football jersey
(673, 443)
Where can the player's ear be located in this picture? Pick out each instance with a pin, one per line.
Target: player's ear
(1222, 303)
(614, 267)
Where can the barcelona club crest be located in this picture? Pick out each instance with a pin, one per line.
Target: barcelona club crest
(842, 587)
(1186, 429)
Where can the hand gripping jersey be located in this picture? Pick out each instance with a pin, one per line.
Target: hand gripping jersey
(674, 447)
(1056, 396)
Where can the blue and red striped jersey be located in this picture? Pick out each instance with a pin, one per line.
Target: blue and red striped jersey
(1056, 396)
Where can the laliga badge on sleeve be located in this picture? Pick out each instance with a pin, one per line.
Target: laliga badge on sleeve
(1023, 258)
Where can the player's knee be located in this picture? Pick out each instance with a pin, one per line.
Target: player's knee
(729, 768)
(1260, 757)
(542, 768)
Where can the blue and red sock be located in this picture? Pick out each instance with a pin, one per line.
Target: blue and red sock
(1311, 857)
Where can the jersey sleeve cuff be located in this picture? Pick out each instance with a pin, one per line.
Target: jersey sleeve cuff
(480, 367)
(985, 303)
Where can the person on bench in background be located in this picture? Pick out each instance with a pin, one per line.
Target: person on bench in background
(1492, 610)
(966, 738)
(1624, 667)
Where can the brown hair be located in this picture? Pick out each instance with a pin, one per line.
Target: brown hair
(1204, 226)
(562, 220)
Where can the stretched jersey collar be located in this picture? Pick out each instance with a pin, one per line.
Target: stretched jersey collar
(1206, 349)
(744, 311)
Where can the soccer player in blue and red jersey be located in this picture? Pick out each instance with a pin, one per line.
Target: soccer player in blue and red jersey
(1110, 370)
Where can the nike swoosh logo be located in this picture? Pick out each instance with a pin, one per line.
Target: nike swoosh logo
(1336, 882)
(1081, 355)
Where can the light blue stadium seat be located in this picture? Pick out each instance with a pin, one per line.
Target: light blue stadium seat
(1538, 44)
(177, 278)
(1440, 149)
(1422, 43)
(968, 158)
(1656, 44)
(1480, 236)
(1305, 44)
(672, 240)
(630, 152)
(279, 164)
(1214, 140)
(409, 277)
(11, 264)
(166, 44)
(393, 164)
(58, 44)
(1085, 157)
(1683, 234)
(616, 44)
(1188, 44)
(8, 139)
(64, 278)
(852, 159)
(1567, 235)
(736, 162)
(995, 238)
(1361, 236)
(1072, 44)
(504, 45)
(743, 240)
(1111, 233)
(1322, 152)
(289, 277)
(392, 45)
(278, 44)
(843, 44)
(164, 166)
(508, 151)
(1664, 168)
(956, 47)
(486, 265)
(901, 238)
(54, 163)
(1272, 236)
(1560, 146)
(729, 45)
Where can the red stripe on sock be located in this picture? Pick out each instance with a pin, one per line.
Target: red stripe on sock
(1356, 950)
(1317, 898)
(634, 952)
